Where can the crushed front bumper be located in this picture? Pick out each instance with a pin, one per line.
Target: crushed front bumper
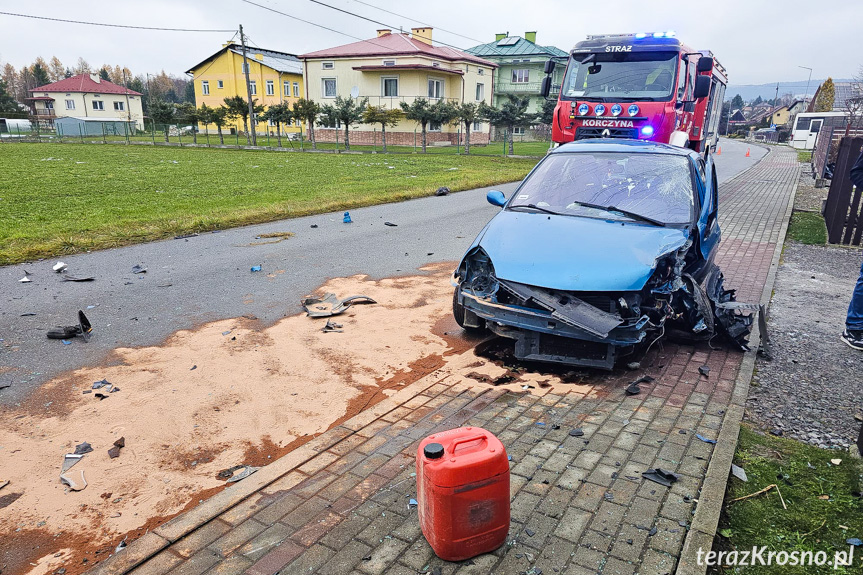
(547, 336)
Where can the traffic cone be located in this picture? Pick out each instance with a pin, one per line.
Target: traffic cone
(719, 151)
(747, 152)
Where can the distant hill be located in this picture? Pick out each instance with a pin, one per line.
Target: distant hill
(767, 91)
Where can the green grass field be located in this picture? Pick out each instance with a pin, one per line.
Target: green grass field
(807, 228)
(68, 198)
(824, 507)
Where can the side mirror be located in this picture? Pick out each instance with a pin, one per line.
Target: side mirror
(702, 87)
(549, 66)
(545, 87)
(496, 198)
(705, 64)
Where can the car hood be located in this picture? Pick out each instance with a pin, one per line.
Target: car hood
(575, 253)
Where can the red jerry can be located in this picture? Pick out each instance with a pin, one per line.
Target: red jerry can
(463, 492)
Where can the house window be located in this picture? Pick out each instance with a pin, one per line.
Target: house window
(480, 92)
(329, 85)
(518, 131)
(98, 105)
(476, 127)
(205, 88)
(434, 127)
(296, 89)
(390, 87)
(327, 65)
(70, 104)
(286, 87)
(389, 62)
(253, 87)
(435, 88)
(271, 90)
(221, 84)
(49, 105)
(119, 106)
(520, 76)
(436, 64)
(480, 71)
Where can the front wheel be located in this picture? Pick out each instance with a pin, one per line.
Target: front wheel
(458, 313)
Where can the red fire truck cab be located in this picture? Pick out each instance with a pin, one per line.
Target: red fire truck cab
(640, 86)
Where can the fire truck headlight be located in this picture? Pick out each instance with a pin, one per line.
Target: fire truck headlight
(616, 110)
(632, 110)
(599, 109)
(647, 131)
(583, 110)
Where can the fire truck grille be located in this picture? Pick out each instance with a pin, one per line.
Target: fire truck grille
(583, 133)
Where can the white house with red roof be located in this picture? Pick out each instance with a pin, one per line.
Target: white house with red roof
(394, 68)
(86, 96)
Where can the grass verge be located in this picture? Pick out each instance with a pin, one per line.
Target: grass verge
(807, 228)
(823, 500)
(804, 156)
(67, 198)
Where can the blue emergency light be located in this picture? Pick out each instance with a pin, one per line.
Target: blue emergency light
(647, 131)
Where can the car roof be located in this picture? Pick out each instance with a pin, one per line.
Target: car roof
(624, 146)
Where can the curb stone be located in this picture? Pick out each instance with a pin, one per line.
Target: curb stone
(706, 519)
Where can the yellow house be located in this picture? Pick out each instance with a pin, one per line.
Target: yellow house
(781, 116)
(274, 77)
(394, 68)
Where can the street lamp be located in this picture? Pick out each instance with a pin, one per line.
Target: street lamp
(807, 82)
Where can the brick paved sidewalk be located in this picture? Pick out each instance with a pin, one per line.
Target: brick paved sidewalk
(579, 505)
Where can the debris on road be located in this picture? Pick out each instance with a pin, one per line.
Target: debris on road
(25, 280)
(114, 452)
(68, 278)
(4, 484)
(313, 226)
(256, 269)
(84, 328)
(704, 370)
(330, 305)
(139, 269)
(83, 448)
(74, 480)
(390, 224)
(59, 267)
(660, 476)
(186, 236)
(442, 191)
(704, 439)
(246, 471)
(835, 461)
(856, 542)
(739, 473)
(632, 389)
(347, 218)
(69, 460)
(576, 432)
(761, 491)
(332, 327)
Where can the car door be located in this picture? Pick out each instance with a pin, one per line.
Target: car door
(708, 221)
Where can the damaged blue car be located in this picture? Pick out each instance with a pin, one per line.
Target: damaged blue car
(604, 248)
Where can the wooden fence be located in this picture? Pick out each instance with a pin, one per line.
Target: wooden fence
(826, 146)
(842, 213)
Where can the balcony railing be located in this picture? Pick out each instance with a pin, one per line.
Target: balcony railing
(45, 112)
(517, 87)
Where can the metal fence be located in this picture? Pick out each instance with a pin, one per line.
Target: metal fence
(842, 212)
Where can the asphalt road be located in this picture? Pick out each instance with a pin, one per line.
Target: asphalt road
(205, 278)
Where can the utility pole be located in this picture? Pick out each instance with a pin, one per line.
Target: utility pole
(248, 89)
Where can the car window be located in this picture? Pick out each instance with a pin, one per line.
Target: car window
(658, 186)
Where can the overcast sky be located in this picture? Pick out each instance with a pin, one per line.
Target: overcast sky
(758, 41)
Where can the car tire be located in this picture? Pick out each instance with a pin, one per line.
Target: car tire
(458, 314)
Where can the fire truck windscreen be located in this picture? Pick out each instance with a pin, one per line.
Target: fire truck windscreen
(621, 76)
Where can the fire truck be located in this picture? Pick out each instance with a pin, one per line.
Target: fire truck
(639, 86)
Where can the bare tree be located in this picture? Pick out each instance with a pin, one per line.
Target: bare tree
(854, 102)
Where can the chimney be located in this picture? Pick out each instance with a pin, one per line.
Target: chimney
(96, 78)
(422, 34)
(530, 37)
(384, 32)
(499, 37)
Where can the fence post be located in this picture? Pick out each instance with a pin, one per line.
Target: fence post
(839, 196)
(81, 133)
(302, 147)
(415, 140)
(207, 132)
(154, 132)
(38, 136)
(104, 139)
(180, 136)
(505, 140)
(458, 142)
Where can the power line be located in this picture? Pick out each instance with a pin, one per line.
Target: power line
(318, 25)
(418, 21)
(111, 25)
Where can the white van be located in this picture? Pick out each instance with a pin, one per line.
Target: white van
(808, 124)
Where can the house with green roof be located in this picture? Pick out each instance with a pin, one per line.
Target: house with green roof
(521, 63)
